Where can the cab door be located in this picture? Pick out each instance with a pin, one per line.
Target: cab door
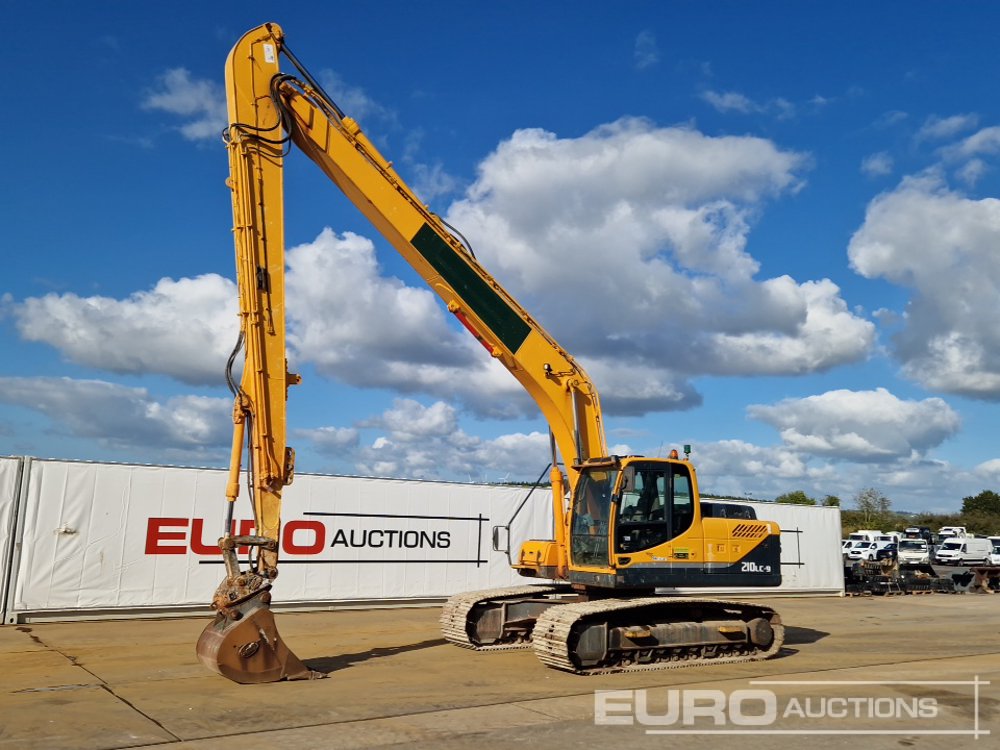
(590, 521)
(657, 511)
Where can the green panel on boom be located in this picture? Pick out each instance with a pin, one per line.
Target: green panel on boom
(506, 324)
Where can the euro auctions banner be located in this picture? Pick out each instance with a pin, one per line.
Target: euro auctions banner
(102, 536)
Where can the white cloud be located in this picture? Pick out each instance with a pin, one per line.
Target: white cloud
(890, 119)
(782, 108)
(127, 419)
(940, 128)
(426, 442)
(862, 426)
(184, 328)
(985, 141)
(346, 314)
(431, 181)
(800, 328)
(989, 470)
(647, 223)
(628, 386)
(354, 100)
(737, 458)
(411, 421)
(732, 101)
(352, 323)
(373, 331)
(972, 171)
(331, 440)
(646, 52)
(740, 469)
(201, 102)
(652, 224)
(877, 165)
(941, 245)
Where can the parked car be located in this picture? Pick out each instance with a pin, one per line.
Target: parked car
(862, 551)
(886, 552)
(919, 532)
(845, 544)
(963, 550)
(914, 551)
(995, 555)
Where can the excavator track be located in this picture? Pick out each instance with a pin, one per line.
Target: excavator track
(654, 633)
(463, 615)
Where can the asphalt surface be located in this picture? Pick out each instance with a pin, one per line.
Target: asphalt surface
(393, 681)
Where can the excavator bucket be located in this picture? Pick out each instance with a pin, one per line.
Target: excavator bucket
(242, 643)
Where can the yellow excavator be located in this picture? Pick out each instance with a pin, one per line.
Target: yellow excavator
(623, 525)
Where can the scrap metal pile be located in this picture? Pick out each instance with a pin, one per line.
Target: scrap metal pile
(886, 577)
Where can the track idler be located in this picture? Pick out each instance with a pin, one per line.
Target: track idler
(242, 642)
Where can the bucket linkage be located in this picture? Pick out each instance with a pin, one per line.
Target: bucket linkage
(242, 641)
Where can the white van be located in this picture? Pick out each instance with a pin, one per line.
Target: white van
(864, 535)
(891, 537)
(947, 531)
(963, 551)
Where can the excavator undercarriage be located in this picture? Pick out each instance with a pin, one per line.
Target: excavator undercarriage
(571, 631)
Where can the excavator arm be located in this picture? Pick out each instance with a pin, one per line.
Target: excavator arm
(268, 112)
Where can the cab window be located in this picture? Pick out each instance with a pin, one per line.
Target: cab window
(656, 504)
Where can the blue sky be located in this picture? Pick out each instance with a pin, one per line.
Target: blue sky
(769, 230)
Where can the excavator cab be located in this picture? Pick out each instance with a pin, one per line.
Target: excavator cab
(635, 523)
(629, 506)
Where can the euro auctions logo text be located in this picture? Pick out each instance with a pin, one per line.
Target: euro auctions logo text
(801, 708)
(745, 708)
(178, 536)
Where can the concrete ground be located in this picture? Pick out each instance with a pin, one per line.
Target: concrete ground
(123, 684)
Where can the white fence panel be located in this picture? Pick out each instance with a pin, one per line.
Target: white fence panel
(10, 476)
(103, 536)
